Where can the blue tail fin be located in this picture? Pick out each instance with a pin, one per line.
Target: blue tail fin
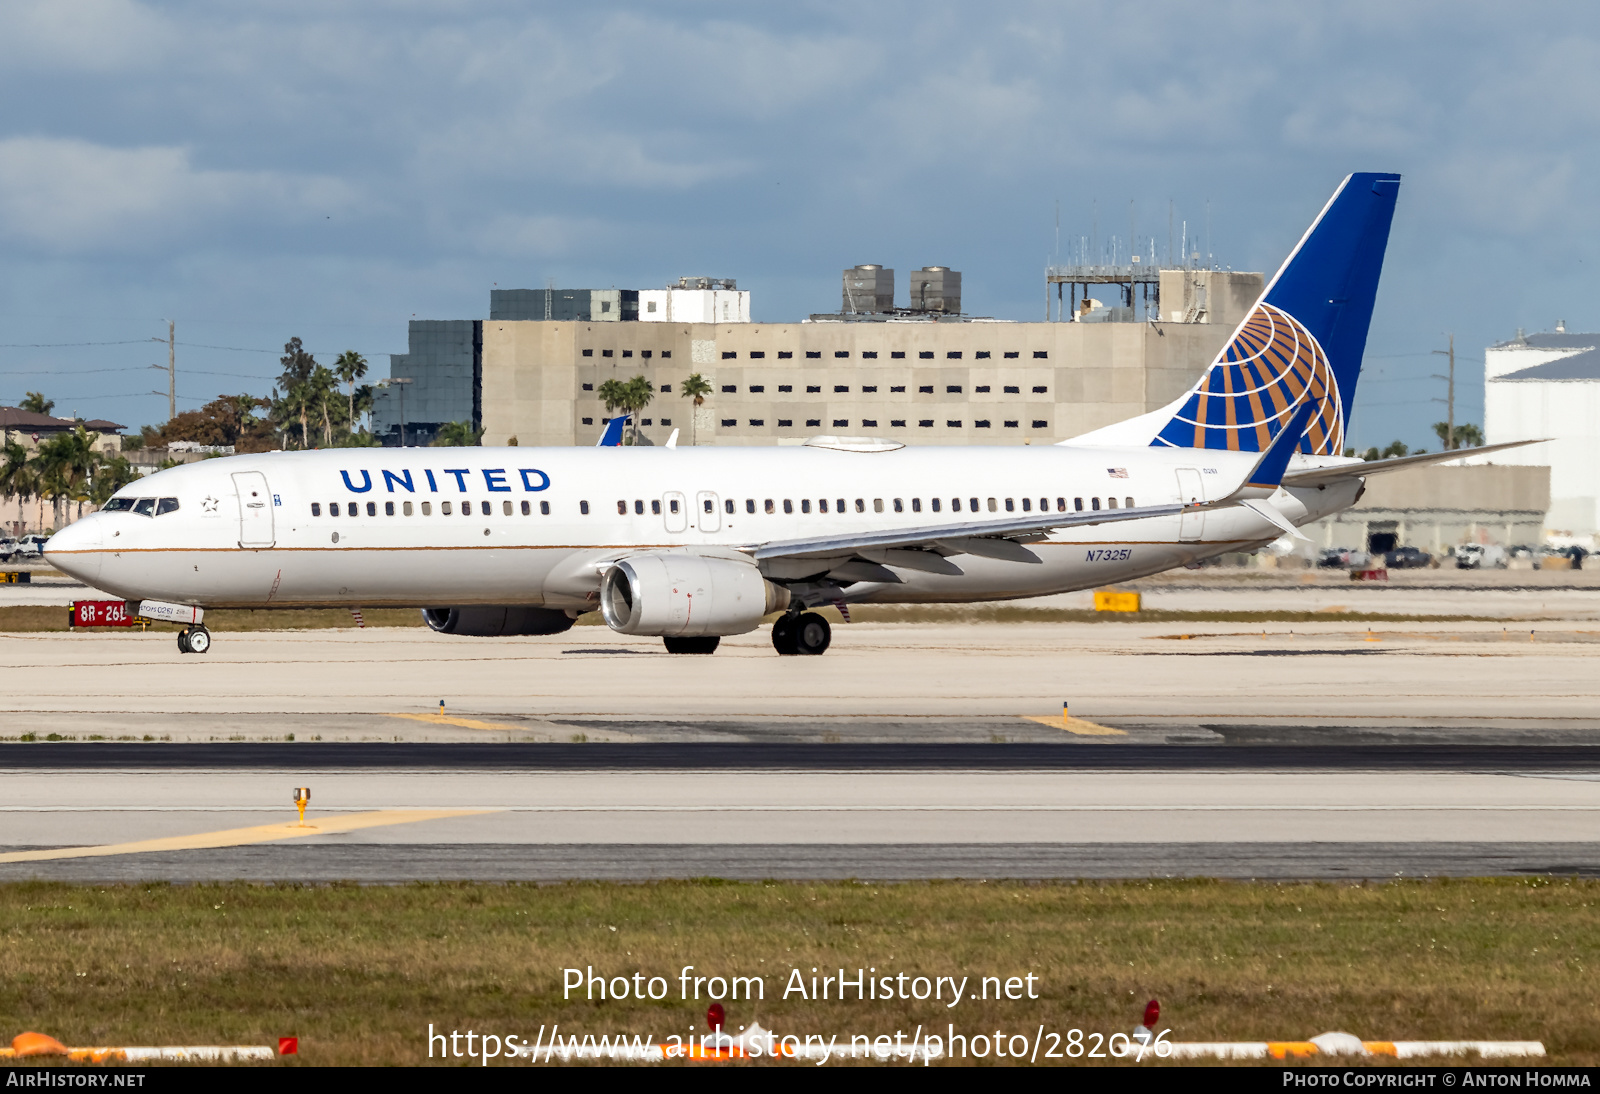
(612, 437)
(1305, 337)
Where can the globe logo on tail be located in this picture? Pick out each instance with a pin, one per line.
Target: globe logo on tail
(1271, 366)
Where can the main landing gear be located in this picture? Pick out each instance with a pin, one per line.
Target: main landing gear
(806, 633)
(195, 639)
(707, 644)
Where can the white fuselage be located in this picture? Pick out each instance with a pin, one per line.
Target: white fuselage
(431, 527)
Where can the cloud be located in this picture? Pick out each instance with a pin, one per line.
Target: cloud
(64, 196)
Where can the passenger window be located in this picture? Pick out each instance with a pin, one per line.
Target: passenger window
(466, 508)
(1094, 503)
(1009, 507)
(916, 505)
(505, 507)
(673, 505)
(973, 502)
(333, 508)
(544, 508)
(1128, 502)
(583, 507)
(166, 505)
(861, 506)
(405, 508)
(388, 508)
(993, 507)
(352, 510)
(877, 505)
(1077, 505)
(709, 507)
(372, 508)
(527, 510)
(822, 505)
(638, 507)
(622, 508)
(1044, 504)
(145, 507)
(750, 505)
(769, 507)
(1027, 504)
(427, 508)
(805, 505)
(788, 506)
(840, 508)
(955, 505)
(934, 503)
(1111, 503)
(655, 507)
(316, 508)
(727, 506)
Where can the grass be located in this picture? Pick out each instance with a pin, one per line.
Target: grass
(358, 973)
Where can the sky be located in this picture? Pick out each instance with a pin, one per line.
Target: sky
(330, 170)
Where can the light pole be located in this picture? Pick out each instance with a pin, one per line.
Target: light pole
(401, 381)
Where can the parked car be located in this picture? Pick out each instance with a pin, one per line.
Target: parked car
(30, 548)
(1407, 558)
(8, 548)
(1478, 556)
(1346, 558)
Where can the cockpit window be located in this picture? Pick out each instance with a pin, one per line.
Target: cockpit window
(145, 507)
(118, 505)
(166, 505)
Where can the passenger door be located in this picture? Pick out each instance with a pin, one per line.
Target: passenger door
(255, 509)
(675, 511)
(710, 516)
(1191, 488)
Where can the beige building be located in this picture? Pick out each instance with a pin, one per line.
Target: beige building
(921, 379)
(1436, 507)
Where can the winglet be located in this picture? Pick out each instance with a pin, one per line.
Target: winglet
(1267, 475)
(672, 441)
(612, 437)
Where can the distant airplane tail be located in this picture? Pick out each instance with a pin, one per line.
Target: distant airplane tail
(1302, 341)
(612, 437)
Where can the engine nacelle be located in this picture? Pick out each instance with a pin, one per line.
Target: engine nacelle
(685, 596)
(493, 622)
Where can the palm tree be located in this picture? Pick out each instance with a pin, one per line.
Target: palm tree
(298, 369)
(35, 403)
(324, 385)
(350, 367)
(614, 394)
(16, 478)
(640, 391)
(457, 435)
(696, 387)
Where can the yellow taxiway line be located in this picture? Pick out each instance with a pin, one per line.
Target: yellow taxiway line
(1075, 725)
(465, 723)
(239, 837)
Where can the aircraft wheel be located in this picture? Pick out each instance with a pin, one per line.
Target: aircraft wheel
(784, 638)
(183, 641)
(812, 634)
(199, 640)
(707, 644)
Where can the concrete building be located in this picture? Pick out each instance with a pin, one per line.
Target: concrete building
(925, 377)
(1436, 507)
(1548, 385)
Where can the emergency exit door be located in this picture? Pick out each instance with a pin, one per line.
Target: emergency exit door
(709, 516)
(255, 509)
(675, 511)
(1191, 489)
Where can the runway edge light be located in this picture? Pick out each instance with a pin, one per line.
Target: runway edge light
(302, 798)
(288, 1046)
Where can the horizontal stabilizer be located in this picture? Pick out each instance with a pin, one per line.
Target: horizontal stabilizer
(1319, 476)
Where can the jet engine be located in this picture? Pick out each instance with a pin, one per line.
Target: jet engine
(494, 622)
(683, 596)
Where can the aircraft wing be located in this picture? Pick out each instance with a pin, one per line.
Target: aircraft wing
(1318, 476)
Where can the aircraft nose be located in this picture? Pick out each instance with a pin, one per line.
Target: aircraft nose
(75, 550)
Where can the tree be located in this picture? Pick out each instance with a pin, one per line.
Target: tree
(111, 476)
(324, 385)
(350, 367)
(457, 435)
(639, 391)
(67, 463)
(17, 478)
(35, 403)
(299, 396)
(1466, 435)
(696, 387)
(1395, 448)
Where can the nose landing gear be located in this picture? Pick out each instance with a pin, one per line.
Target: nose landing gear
(195, 639)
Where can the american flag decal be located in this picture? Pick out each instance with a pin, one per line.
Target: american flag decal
(1117, 472)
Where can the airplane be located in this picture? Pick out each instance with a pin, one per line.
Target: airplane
(693, 544)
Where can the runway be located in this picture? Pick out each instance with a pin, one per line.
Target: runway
(494, 812)
(1326, 750)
